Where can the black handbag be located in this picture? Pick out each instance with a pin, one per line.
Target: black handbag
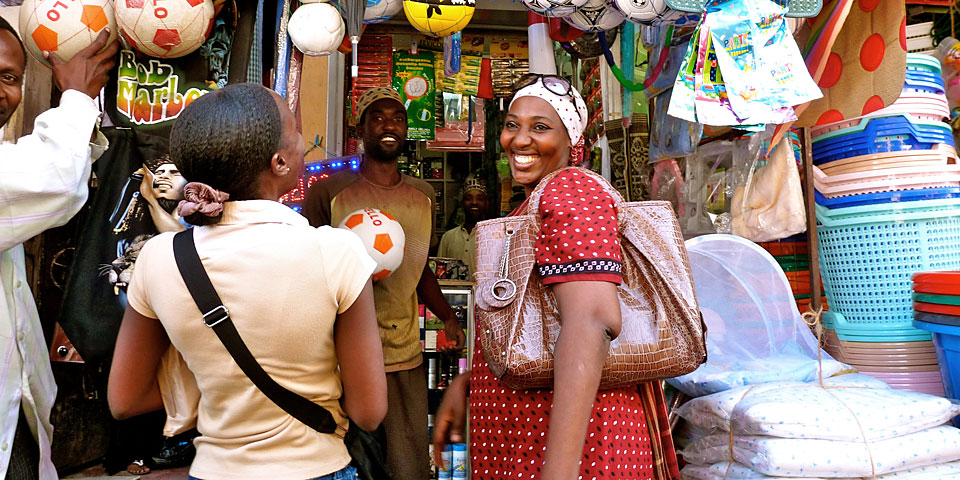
(368, 456)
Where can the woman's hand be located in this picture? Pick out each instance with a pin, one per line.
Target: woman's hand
(451, 415)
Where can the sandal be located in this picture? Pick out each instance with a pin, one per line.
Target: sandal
(137, 467)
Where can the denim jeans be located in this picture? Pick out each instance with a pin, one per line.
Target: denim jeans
(348, 473)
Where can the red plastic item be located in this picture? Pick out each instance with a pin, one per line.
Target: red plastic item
(934, 308)
(561, 31)
(485, 89)
(937, 283)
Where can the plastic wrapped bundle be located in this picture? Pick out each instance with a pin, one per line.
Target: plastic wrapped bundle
(850, 409)
(829, 458)
(727, 470)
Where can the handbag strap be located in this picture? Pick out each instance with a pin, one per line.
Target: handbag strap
(217, 317)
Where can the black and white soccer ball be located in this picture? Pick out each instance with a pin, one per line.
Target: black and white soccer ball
(553, 8)
(595, 16)
(643, 11)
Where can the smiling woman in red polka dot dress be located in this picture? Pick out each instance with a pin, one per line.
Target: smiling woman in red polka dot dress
(573, 431)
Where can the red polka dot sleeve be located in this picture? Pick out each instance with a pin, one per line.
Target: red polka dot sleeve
(578, 231)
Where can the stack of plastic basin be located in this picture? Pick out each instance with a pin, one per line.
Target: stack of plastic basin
(936, 297)
(792, 254)
(888, 206)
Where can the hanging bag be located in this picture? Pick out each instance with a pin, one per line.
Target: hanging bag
(367, 454)
(662, 333)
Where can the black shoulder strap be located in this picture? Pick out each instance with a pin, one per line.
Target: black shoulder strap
(217, 317)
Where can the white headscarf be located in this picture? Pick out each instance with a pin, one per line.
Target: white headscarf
(565, 106)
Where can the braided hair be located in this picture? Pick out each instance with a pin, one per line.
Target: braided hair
(225, 139)
(5, 25)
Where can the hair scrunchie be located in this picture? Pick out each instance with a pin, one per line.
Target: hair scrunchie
(200, 197)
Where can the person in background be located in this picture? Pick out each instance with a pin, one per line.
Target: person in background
(43, 183)
(379, 184)
(574, 430)
(460, 242)
(311, 327)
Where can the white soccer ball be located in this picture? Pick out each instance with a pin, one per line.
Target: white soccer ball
(316, 29)
(168, 29)
(553, 8)
(595, 16)
(383, 237)
(642, 11)
(62, 27)
(381, 10)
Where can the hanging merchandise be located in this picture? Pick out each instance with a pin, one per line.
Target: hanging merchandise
(439, 18)
(353, 11)
(794, 8)
(148, 93)
(643, 12)
(51, 25)
(378, 11)
(588, 45)
(769, 205)
(451, 54)
(316, 29)
(671, 137)
(375, 55)
(542, 59)
(508, 63)
(743, 68)
(171, 30)
(467, 80)
(414, 77)
(595, 16)
(659, 81)
(553, 8)
(561, 31)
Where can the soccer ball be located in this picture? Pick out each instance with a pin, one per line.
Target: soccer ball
(642, 11)
(62, 27)
(165, 29)
(595, 16)
(553, 8)
(383, 237)
(381, 10)
(439, 18)
(316, 28)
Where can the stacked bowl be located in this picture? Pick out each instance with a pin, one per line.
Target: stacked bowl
(792, 254)
(888, 206)
(936, 303)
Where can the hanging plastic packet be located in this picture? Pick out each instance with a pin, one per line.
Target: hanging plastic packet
(712, 103)
(451, 54)
(671, 137)
(779, 54)
(762, 65)
(682, 101)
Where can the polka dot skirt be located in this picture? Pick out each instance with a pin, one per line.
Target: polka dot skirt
(508, 432)
(508, 429)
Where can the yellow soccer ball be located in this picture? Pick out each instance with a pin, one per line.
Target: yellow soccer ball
(439, 18)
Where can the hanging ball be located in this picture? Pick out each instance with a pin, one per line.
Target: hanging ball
(439, 18)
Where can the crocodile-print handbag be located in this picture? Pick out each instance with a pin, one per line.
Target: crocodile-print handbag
(662, 333)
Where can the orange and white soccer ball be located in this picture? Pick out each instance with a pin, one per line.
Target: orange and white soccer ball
(165, 28)
(64, 27)
(383, 237)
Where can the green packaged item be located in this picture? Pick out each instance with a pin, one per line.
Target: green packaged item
(414, 77)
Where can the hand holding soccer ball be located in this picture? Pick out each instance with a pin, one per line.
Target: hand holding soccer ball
(382, 236)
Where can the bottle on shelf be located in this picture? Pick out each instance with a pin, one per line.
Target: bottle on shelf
(432, 373)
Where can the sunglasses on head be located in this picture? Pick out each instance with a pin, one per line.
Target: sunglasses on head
(554, 84)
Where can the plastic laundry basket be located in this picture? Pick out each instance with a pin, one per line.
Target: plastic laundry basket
(867, 259)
